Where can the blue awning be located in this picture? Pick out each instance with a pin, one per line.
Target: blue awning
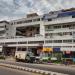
(56, 49)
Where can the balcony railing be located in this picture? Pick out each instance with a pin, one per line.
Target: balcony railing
(60, 37)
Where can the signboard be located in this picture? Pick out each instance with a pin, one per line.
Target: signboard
(48, 49)
(68, 52)
(56, 49)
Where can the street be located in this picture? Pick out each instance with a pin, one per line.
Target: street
(55, 68)
(9, 71)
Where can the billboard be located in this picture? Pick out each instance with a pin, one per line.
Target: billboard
(47, 49)
(56, 49)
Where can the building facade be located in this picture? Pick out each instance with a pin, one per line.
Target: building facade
(55, 31)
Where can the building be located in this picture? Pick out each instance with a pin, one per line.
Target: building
(55, 31)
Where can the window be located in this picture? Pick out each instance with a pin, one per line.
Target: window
(57, 26)
(22, 42)
(57, 41)
(23, 49)
(74, 41)
(26, 21)
(48, 41)
(2, 26)
(73, 16)
(60, 34)
(66, 46)
(67, 33)
(1, 43)
(49, 19)
(19, 22)
(36, 19)
(10, 43)
(66, 26)
(5, 26)
(35, 42)
(49, 27)
(67, 41)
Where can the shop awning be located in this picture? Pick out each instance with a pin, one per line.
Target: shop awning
(68, 52)
(56, 49)
(47, 49)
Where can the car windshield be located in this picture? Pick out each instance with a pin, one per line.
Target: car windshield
(30, 54)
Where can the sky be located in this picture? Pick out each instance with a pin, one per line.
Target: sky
(15, 9)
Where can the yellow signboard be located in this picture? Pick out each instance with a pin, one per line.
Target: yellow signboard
(47, 49)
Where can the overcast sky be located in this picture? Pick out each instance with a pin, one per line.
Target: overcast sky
(13, 9)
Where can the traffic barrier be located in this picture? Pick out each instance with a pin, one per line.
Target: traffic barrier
(43, 72)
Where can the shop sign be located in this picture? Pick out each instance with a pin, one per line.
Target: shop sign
(56, 49)
(48, 49)
(68, 52)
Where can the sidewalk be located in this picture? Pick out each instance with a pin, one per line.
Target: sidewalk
(72, 65)
(46, 64)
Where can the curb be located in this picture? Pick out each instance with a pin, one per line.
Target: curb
(43, 72)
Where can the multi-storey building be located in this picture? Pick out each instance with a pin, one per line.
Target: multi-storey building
(55, 31)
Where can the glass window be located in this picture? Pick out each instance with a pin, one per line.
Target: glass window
(49, 19)
(57, 26)
(48, 41)
(73, 40)
(67, 41)
(57, 41)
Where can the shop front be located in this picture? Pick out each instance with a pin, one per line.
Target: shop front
(57, 53)
(9, 51)
(69, 56)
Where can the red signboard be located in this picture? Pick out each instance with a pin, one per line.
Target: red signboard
(68, 52)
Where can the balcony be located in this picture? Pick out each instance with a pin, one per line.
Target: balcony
(2, 36)
(23, 39)
(13, 45)
(59, 44)
(59, 21)
(60, 37)
(59, 30)
(28, 24)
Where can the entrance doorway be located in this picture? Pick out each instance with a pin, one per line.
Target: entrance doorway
(9, 51)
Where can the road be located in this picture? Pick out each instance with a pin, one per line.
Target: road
(55, 68)
(9, 71)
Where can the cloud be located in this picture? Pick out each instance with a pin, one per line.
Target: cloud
(12, 9)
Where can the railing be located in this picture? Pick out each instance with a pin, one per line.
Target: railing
(60, 37)
(61, 20)
(22, 39)
(60, 29)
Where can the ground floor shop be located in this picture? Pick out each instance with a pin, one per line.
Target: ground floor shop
(51, 53)
(37, 50)
(9, 51)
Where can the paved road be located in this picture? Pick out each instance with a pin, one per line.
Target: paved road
(9, 71)
(54, 68)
